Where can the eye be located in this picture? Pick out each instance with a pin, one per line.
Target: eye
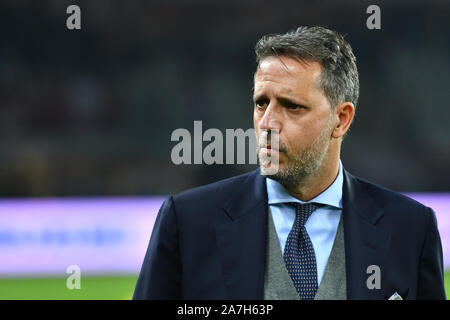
(293, 106)
(260, 104)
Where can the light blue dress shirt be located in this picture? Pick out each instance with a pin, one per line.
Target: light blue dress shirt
(322, 224)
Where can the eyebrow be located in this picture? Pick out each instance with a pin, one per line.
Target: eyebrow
(289, 101)
(259, 97)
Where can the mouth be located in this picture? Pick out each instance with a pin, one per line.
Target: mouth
(268, 148)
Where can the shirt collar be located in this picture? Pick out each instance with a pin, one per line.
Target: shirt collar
(332, 196)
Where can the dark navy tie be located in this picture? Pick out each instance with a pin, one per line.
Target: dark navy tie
(299, 253)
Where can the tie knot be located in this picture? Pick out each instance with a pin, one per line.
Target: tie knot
(303, 211)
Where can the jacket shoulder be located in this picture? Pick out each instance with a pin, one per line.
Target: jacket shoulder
(216, 192)
(389, 196)
(396, 204)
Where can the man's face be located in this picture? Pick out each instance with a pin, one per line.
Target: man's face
(288, 100)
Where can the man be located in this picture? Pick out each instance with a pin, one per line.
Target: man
(311, 230)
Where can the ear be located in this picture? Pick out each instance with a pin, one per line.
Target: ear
(343, 115)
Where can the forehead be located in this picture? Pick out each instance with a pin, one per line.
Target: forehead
(287, 75)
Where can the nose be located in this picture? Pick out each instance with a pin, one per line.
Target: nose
(270, 119)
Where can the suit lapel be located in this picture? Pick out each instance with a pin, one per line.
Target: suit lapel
(241, 239)
(366, 243)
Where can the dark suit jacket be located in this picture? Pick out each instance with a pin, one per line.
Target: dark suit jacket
(210, 243)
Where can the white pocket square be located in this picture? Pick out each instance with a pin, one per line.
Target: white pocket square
(395, 296)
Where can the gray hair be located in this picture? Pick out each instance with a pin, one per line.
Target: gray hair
(339, 79)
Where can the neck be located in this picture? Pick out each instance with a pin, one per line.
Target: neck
(319, 181)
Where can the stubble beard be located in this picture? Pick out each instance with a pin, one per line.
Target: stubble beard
(302, 167)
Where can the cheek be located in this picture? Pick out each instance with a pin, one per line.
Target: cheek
(255, 126)
(255, 120)
(297, 138)
(257, 116)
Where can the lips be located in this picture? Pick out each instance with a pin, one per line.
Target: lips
(268, 147)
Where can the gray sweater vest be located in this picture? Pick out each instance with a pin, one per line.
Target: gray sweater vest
(278, 284)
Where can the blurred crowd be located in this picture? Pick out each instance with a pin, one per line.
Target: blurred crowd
(90, 112)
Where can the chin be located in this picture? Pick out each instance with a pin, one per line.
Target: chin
(271, 171)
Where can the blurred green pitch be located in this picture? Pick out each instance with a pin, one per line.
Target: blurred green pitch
(92, 288)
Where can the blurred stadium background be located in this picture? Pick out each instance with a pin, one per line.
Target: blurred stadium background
(86, 118)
